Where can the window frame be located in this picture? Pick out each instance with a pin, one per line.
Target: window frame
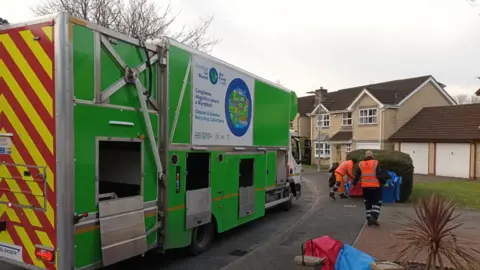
(347, 119)
(323, 118)
(348, 148)
(321, 150)
(370, 113)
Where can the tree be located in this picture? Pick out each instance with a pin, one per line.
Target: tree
(3, 21)
(136, 18)
(466, 99)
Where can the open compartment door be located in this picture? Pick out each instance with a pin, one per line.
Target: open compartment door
(199, 193)
(120, 198)
(246, 191)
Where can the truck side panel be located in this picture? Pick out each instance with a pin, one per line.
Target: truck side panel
(271, 117)
(224, 178)
(28, 162)
(92, 121)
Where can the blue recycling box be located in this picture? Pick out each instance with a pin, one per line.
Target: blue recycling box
(391, 190)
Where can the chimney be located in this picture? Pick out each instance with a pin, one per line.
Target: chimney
(320, 95)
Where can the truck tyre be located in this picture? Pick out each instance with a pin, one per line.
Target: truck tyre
(288, 204)
(202, 238)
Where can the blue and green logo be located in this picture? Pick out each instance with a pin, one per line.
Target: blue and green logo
(213, 75)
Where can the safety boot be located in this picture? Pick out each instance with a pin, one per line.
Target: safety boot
(374, 222)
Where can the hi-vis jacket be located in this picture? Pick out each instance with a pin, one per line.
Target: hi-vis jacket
(369, 173)
(345, 168)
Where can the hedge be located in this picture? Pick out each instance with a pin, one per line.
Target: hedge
(395, 161)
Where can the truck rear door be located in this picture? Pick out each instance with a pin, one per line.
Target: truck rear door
(27, 146)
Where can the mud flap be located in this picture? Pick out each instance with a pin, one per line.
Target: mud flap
(199, 207)
(122, 229)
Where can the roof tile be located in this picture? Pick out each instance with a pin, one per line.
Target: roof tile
(342, 136)
(390, 92)
(306, 104)
(456, 123)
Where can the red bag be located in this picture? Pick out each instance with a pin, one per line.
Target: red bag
(323, 247)
(356, 191)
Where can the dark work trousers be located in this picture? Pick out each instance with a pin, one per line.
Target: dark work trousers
(373, 202)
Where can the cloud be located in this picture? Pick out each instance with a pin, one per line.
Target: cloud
(335, 44)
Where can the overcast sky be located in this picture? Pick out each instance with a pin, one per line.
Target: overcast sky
(337, 44)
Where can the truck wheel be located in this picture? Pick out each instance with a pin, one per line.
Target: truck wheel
(202, 238)
(288, 204)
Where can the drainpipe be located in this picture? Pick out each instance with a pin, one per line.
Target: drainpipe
(381, 127)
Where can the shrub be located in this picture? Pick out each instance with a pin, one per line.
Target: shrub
(395, 161)
(433, 230)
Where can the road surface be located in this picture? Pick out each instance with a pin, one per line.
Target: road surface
(237, 243)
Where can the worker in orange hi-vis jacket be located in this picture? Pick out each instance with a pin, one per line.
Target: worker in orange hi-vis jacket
(344, 169)
(371, 177)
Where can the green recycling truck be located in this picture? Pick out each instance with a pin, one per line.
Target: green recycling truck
(111, 146)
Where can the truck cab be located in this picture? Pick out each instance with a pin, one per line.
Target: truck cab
(295, 164)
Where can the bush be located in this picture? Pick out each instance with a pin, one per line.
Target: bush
(395, 161)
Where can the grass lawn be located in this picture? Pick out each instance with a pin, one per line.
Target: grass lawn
(465, 193)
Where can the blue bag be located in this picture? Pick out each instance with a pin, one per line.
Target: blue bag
(351, 258)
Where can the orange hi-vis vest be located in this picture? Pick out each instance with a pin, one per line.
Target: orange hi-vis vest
(369, 173)
(345, 168)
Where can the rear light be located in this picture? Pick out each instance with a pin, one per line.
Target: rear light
(44, 254)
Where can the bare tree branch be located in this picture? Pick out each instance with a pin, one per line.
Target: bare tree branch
(3, 21)
(137, 18)
(466, 99)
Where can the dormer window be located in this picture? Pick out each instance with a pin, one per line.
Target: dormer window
(323, 120)
(368, 116)
(347, 119)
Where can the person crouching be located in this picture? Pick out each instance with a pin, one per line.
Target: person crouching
(344, 169)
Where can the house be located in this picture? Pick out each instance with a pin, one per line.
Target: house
(301, 123)
(443, 141)
(364, 117)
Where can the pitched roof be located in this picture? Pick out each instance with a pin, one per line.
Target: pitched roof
(306, 104)
(342, 136)
(456, 123)
(391, 92)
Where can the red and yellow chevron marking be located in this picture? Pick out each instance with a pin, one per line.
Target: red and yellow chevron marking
(27, 111)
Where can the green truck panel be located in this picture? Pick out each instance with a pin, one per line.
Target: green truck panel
(178, 62)
(273, 109)
(271, 119)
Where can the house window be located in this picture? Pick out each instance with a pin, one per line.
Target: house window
(348, 148)
(347, 119)
(323, 120)
(322, 150)
(368, 116)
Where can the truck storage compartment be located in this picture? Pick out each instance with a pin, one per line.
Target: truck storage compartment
(199, 198)
(120, 178)
(246, 189)
(119, 169)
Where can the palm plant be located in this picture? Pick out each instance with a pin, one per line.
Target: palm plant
(432, 230)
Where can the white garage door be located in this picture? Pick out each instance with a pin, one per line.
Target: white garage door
(419, 154)
(453, 159)
(367, 146)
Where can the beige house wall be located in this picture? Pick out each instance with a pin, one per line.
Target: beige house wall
(431, 158)
(389, 122)
(428, 96)
(365, 132)
(476, 161)
(304, 126)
